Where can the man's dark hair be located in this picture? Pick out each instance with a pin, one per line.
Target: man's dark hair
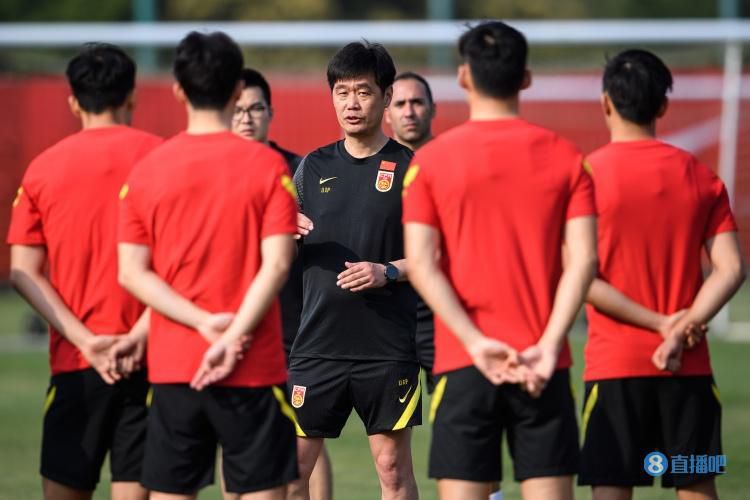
(101, 76)
(208, 67)
(253, 78)
(359, 59)
(410, 75)
(496, 55)
(637, 83)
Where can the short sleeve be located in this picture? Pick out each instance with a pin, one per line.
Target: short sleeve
(280, 210)
(131, 223)
(581, 202)
(720, 220)
(418, 198)
(26, 219)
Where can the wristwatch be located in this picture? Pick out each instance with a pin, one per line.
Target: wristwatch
(391, 273)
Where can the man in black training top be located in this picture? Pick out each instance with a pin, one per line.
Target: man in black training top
(355, 346)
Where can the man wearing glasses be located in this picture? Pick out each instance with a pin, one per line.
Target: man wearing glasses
(252, 116)
(251, 119)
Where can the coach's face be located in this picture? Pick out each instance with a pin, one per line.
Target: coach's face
(360, 105)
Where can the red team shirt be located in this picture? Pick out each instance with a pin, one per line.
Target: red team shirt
(202, 203)
(67, 203)
(657, 207)
(500, 193)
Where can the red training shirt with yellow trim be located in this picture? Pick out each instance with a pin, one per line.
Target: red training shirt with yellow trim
(68, 204)
(657, 207)
(203, 203)
(500, 193)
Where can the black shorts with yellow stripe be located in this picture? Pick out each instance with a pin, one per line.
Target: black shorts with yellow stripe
(387, 395)
(469, 416)
(84, 419)
(254, 426)
(626, 419)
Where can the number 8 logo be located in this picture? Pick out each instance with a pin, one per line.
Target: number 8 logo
(655, 464)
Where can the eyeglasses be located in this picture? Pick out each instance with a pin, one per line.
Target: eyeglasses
(254, 110)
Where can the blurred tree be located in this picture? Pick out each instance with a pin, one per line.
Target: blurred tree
(247, 10)
(520, 9)
(596, 9)
(64, 10)
(264, 10)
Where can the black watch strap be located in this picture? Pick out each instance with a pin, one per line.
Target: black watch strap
(391, 272)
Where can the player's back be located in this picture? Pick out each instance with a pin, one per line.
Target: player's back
(203, 203)
(71, 190)
(657, 206)
(504, 190)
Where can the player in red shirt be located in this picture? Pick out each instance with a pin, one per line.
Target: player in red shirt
(253, 114)
(65, 217)
(659, 208)
(206, 226)
(488, 207)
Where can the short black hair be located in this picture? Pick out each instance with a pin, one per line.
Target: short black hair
(496, 55)
(359, 59)
(410, 75)
(101, 76)
(208, 67)
(637, 82)
(254, 78)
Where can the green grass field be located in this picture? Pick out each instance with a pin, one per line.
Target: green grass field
(24, 377)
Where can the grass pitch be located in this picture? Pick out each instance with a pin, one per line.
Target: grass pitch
(24, 377)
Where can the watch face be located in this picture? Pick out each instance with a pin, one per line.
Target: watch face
(391, 272)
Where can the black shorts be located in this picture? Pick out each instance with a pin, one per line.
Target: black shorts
(425, 343)
(387, 395)
(84, 418)
(254, 426)
(426, 353)
(469, 416)
(626, 419)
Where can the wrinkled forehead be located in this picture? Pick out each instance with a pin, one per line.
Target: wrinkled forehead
(362, 81)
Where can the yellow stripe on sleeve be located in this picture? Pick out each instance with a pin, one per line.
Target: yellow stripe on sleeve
(17, 199)
(587, 167)
(288, 184)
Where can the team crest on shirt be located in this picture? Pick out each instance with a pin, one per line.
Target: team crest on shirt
(384, 182)
(298, 395)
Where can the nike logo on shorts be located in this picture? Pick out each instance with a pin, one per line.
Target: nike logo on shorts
(323, 181)
(402, 400)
